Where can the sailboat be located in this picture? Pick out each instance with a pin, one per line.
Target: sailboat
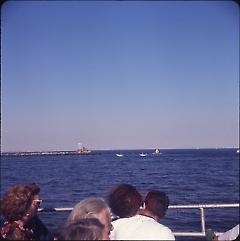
(157, 152)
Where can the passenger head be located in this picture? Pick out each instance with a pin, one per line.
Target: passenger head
(124, 200)
(156, 203)
(93, 208)
(82, 229)
(20, 202)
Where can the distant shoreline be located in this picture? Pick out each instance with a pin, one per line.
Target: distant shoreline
(52, 153)
(45, 153)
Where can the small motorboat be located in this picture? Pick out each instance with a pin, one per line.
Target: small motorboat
(119, 155)
(143, 154)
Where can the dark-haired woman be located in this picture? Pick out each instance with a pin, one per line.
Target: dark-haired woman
(19, 208)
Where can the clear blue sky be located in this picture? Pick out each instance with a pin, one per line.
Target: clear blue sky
(119, 74)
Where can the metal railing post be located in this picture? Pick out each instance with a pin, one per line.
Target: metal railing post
(202, 220)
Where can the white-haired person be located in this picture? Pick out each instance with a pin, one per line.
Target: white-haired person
(82, 229)
(92, 208)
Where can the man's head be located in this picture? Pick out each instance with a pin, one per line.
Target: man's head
(124, 200)
(156, 203)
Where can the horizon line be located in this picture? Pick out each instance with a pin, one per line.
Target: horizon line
(120, 149)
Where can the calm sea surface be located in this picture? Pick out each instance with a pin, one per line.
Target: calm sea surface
(203, 176)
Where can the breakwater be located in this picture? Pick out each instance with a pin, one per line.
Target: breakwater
(45, 153)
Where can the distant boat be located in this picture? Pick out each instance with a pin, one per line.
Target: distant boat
(143, 154)
(237, 151)
(119, 155)
(157, 152)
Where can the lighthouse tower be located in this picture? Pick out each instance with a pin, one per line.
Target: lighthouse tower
(81, 149)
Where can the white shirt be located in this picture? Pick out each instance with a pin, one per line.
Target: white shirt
(140, 227)
(231, 234)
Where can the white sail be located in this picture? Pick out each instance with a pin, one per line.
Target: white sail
(156, 152)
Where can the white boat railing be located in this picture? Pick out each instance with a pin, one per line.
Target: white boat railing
(201, 207)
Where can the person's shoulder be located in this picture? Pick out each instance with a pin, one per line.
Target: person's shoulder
(153, 231)
(129, 219)
(164, 227)
(126, 224)
(119, 221)
(159, 229)
(123, 228)
(166, 231)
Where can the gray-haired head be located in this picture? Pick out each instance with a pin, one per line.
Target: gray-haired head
(83, 229)
(93, 208)
(88, 208)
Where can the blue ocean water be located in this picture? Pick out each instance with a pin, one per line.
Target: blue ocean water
(191, 176)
